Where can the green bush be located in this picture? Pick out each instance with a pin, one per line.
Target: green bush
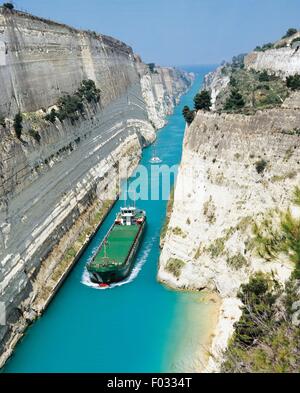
(72, 106)
(237, 261)
(8, 6)
(264, 76)
(258, 298)
(18, 124)
(290, 32)
(2, 121)
(89, 91)
(203, 100)
(265, 47)
(261, 166)
(293, 82)
(174, 266)
(235, 101)
(35, 135)
(51, 116)
(188, 115)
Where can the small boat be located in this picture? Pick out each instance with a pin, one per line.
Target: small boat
(155, 159)
(115, 256)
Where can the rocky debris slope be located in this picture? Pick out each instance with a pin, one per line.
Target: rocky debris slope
(57, 172)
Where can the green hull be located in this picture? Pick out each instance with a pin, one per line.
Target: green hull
(114, 259)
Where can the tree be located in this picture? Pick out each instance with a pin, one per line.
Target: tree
(203, 100)
(51, 116)
(235, 101)
(18, 124)
(293, 82)
(290, 32)
(264, 76)
(258, 298)
(8, 6)
(188, 115)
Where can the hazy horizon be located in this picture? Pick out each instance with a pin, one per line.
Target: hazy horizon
(173, 32)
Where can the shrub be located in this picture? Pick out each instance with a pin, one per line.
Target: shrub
(235, 101)
(238, 61)
(35, 135)
(237, 261)
(18, 124)
(89, 91)
(264, 76)
(293, 82)
(152, 67)
(203, 100)
(70, 107)
(265, 47)
(188, 115)
(8, 6)
(2, 121)
(261, 166)
(290, 32)
(51, 116)
(258, 297)
(174, 266)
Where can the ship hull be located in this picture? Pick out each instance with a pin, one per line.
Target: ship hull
(120, 273)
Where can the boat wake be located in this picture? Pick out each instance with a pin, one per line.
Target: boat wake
(133, 275)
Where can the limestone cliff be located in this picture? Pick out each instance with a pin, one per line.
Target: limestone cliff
(283, 59)
(235, 169)
(51, 178)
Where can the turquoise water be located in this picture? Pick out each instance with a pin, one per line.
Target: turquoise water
(137, 327)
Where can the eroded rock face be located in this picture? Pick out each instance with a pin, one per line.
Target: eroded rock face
(46, 185)
(281, 61)
(219, 195)
(216, 81)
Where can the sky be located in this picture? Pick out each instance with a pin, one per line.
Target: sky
(177, 32)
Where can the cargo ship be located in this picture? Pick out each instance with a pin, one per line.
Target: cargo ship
(114, 258)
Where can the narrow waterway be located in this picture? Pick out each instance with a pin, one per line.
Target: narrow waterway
(137, 327)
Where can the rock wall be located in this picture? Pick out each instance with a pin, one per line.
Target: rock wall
(215, 82)
(47, 185)
(219, 195)
(282, 61)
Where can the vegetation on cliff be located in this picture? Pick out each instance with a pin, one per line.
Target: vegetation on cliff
(72, 106)
(249, 91)
(267, 336)
(293, 82)
(8, 6)
(188, 115)
(202, 101)
(18, 126)
(291, 31)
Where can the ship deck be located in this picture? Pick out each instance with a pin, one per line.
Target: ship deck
(118, 245)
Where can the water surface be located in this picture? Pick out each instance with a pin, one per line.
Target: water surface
(137, 327)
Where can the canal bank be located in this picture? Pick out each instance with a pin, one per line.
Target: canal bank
(139, 326)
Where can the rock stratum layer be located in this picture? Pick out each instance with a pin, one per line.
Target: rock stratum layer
(235, 169)
(48, 185)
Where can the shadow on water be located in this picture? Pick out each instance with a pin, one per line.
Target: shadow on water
(135, 327)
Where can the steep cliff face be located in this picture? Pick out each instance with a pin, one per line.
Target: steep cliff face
(216, 81)
(235, 170)
(282, 61)
(50, 182)
(220, 195)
